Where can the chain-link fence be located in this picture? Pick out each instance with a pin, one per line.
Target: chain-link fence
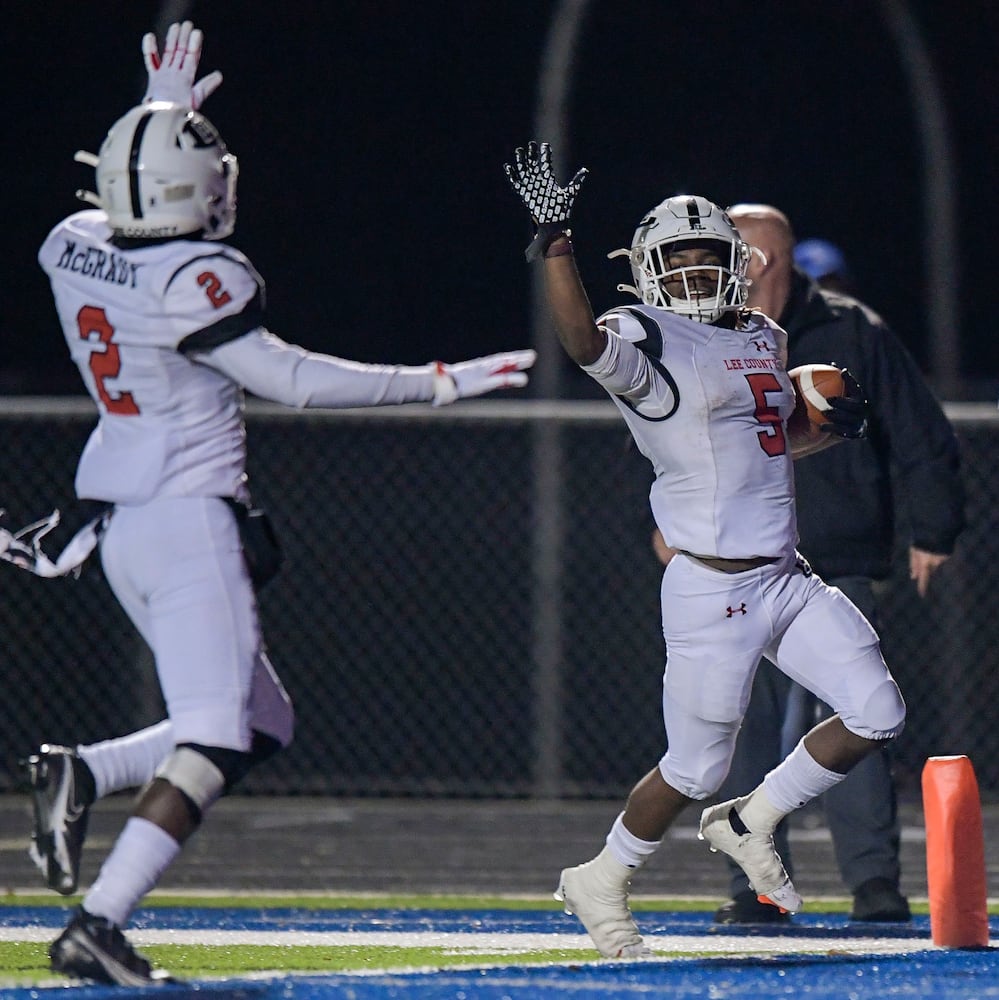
(469, 605)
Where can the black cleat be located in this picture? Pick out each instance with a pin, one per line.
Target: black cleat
(93, 948)
(745, 908)
(62, 791)
(878, 901)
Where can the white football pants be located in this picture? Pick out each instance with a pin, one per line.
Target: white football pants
(718, 625)
(176, 566)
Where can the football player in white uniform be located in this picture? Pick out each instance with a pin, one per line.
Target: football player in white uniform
(701, 383)
(166, 325)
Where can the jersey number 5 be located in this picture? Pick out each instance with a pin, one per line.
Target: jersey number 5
(771, 438)
(91, 320)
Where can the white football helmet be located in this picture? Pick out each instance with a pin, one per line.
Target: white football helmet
(164, 171)
(681, 223)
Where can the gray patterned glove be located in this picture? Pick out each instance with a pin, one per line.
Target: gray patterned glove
(550, 206)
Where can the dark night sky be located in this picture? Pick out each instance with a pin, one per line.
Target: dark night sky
(371, 137)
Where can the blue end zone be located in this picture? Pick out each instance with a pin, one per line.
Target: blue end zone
(939, 975)
(942, 976)
(928, 973)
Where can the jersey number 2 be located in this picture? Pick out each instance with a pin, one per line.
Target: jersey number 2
(107, 363)
(771, 438)
(217, 295)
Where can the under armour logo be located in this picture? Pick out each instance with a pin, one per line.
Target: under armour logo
(740, 610)
(760, 345)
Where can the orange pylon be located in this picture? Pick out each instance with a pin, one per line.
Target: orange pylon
(955, 854)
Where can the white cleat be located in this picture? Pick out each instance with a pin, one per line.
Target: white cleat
(597, 893)
(753, 852)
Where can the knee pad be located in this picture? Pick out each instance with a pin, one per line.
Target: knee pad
(883, 714)
(191, 772)
(713, 767)
(204, 774)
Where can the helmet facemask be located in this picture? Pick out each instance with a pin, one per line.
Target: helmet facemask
(699, 291)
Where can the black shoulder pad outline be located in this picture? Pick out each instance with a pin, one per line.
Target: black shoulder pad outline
(230, 327)
(652, 347)
(226, 329)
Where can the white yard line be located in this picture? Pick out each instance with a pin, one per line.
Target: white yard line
(473, 943)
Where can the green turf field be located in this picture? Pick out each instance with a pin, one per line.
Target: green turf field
(25, 962)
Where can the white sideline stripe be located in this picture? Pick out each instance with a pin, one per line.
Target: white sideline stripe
(500, 943)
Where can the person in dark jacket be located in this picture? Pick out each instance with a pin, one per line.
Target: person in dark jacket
(846, 502)
(825, 264)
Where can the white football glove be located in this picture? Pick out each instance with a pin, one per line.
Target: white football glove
(6, 540)
(482, 375)
(171, 76)
(24, 548)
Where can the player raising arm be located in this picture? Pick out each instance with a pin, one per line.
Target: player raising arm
(166, 323)
(701, 383)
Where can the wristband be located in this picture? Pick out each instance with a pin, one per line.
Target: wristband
(444, 385)
(547, 233)
(559, 247)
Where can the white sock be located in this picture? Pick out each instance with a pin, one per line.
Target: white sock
(757, 812)
(797, 780)
(627, 848)
(139, 857)
(128, 761)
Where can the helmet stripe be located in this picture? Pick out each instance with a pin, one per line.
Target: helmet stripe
(133, 164)
(693, 214)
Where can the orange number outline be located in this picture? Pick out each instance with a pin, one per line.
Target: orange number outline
(107, 363)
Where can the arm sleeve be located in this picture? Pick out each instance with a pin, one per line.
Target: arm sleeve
(272, 369)
(631, 366)
(624, 369)
(923, 448)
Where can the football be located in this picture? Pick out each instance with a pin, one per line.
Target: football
(813, 385)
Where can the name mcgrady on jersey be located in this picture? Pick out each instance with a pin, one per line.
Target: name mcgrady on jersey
(94, 263)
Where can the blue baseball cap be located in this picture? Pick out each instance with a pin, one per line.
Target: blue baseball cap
(818, 258)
